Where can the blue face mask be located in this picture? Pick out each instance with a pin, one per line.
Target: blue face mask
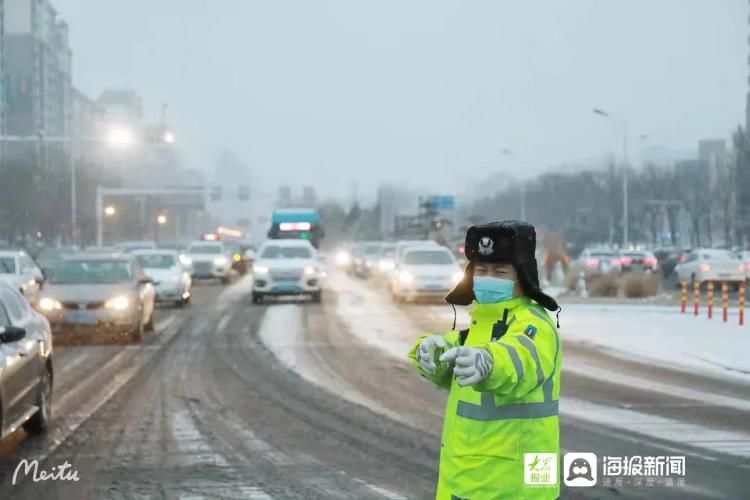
(488, 290)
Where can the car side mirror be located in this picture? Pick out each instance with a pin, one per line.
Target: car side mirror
(11, 334)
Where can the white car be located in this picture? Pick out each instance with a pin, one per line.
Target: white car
(398, 253)
(20, 271)
(706, 264)
(745, 259)
(210, 260)
(171, 277)
(601, 260)
(287, 267)
(425, 271)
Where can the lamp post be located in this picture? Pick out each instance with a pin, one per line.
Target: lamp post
(625, 191)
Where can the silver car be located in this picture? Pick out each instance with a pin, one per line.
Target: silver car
(170, 274)
(25, 365)
(99, 293)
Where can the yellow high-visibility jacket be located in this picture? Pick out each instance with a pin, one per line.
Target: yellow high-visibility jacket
(491, 426)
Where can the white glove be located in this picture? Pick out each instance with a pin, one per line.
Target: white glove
(470, 364)
(426, 352)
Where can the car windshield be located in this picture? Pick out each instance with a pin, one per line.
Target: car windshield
(205, 249)
(129, 248)
(54, 253)
(7, 265)
(156, 261)
(371, 250)
(428, 257)
(79, 272)
(719, 255)
(602, 254)
(283, 252)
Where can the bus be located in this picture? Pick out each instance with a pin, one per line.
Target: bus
(296, 223)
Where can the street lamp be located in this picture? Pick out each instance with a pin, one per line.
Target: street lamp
(168, 137)
(109, 211)
(161, 219)
(120, 136)
(625, 191)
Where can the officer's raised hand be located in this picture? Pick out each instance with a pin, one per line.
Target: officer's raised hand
(471, 365)
(428, 351)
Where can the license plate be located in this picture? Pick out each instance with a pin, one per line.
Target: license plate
(433, 287)
(724, 275)
(287, 287)
(82, 317)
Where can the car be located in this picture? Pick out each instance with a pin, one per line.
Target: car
(287, 267)
(99, 294)
(398, 254)
(101, 250)
(171, 276)
(210, 259)
(366, 259)
(50, 256)
(386, 258)
(602, 260)
(132, 246)
(19, 270)
(708, 264)
(425, 272)
(26, 369)
(402, 245)
(639, 261)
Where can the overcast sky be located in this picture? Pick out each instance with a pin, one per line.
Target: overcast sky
(418, 92)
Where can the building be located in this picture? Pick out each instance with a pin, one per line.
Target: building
(2, 72)
(36, 69)
(123, 107)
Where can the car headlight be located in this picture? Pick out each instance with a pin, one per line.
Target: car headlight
(260, 269)
(458, 276)
(405, 277)
(386, 265)
(47, 304)
(185, 260)
(220, 261)
(310, 271)
(118, 303)
(343, 258)
(237, 257)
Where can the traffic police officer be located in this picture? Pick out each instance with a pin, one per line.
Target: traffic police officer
(503, 374)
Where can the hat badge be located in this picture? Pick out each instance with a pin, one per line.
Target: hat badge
(486, 245)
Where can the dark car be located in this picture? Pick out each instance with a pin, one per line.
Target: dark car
(25, 365)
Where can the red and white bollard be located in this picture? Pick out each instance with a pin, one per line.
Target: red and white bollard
(742, 303)
(710, 299)
(683, 296)
(725, 300)
(696, 297)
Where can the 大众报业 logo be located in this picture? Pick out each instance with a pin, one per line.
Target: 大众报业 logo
(579, 469)
(540, 469)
